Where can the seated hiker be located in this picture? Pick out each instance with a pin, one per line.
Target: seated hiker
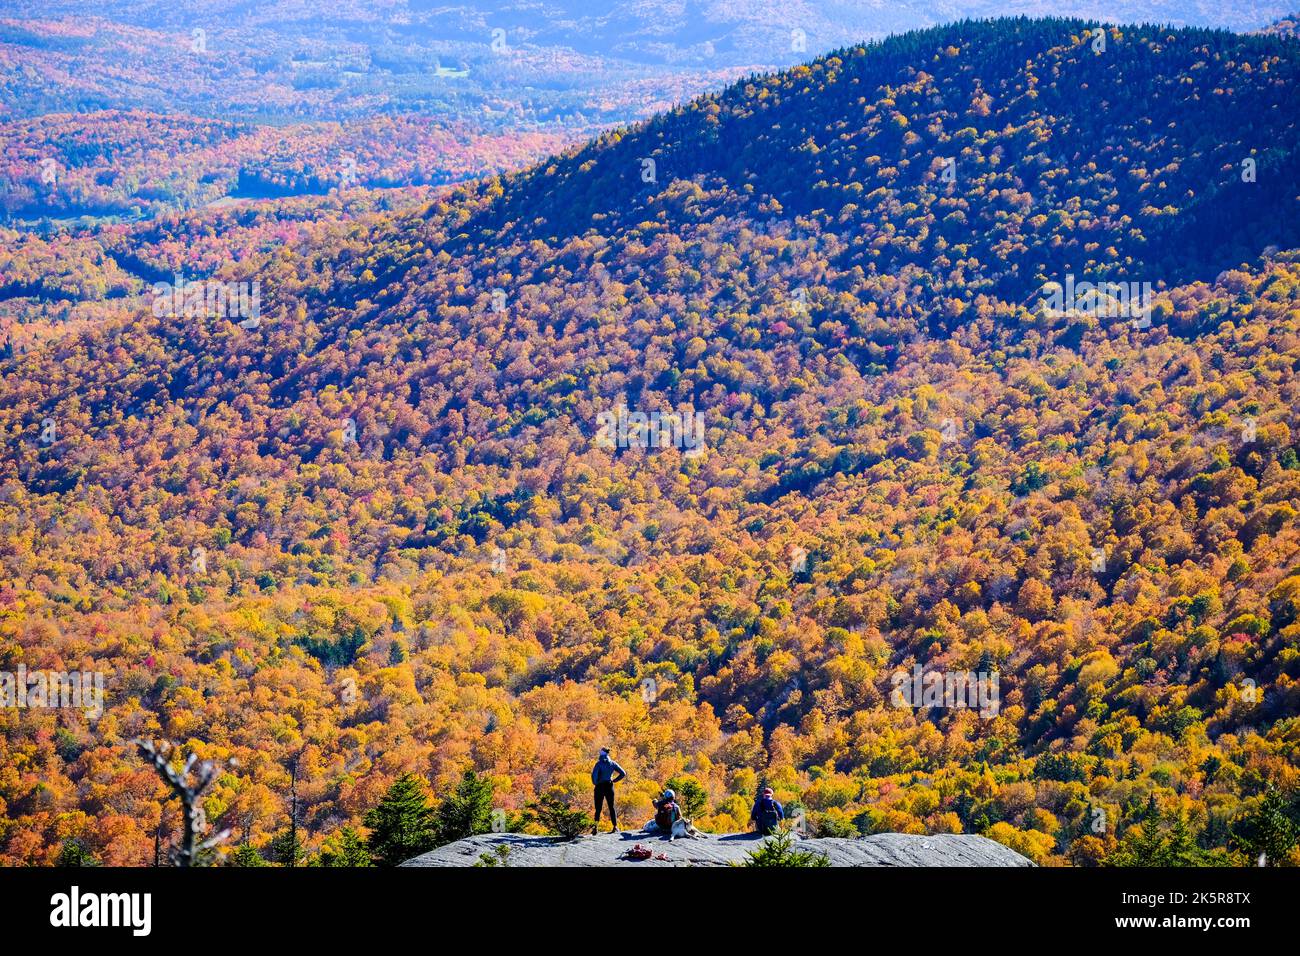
(767, 813)
(668, 819)
(667, 812)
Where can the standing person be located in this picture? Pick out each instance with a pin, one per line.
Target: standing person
(604, 775)
(767, 813)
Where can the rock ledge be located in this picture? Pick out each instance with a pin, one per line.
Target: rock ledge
(607, 849)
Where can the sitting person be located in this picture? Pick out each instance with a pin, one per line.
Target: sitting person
(767, 813)
(668, 819)
(667, 812)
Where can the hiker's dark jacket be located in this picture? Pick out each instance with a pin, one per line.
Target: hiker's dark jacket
(604, 771)
(767, 812)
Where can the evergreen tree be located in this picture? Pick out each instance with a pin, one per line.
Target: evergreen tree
(285, 848)
(345, 849)
(403, 825)
(1162, 839)
(780, 851)
(245, 855)
(690, 794)
(74, 853)
(557, 816)
(467, 811)
(1271, 830)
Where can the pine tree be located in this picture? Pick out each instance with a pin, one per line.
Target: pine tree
(403, 825)
(692, 796)
(780, 851)
(1163, 838)
(467, 811)
(557, 816)
(74, 853)
(1270, 830)
(346, 849)
(285, 848)
(245, 855)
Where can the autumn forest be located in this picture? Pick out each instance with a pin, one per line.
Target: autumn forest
(378, 539)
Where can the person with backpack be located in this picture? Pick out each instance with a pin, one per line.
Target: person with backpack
(667, 813)
(604, 775)
(767, 813)
(670, 821)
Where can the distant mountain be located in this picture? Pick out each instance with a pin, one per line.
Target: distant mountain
(686, 32)
(1286, 26)
(930, 133)
(412, 93)
(773, 31)
(530, 62)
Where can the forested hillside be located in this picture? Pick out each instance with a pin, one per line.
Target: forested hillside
(379, 532)
(136, 165)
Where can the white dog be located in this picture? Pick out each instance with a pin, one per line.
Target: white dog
(683, 829)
